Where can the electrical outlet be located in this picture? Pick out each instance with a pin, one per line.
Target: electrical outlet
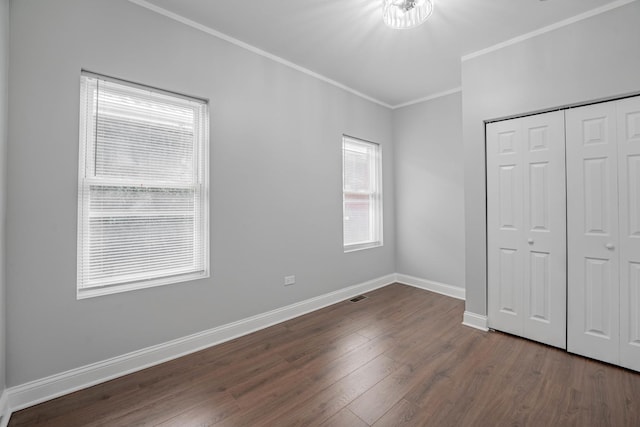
(289, 280)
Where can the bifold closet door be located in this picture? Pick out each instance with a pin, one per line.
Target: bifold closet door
(629, 179)
(592, 212)
(526, 227)
(603, 178)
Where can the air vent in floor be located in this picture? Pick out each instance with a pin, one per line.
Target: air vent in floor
(358, 298)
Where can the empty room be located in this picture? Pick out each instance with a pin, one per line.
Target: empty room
(319, 213)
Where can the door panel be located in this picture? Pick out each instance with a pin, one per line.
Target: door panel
(544, 228)
(598, 280)
(540, 287)
(629, 178)
(539, 196)
(634, 303)
(597, 196)
(508, 197)
(508, 275)
(504, 222)
(632, 183)
(592, 231)
(526, 227)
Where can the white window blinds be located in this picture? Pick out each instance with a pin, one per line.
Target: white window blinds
(143, 196)
(362, 194)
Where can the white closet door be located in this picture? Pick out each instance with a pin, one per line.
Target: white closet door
(526, 227)
(629, 181)
(505, 239)
(545, 264)
(592, 212)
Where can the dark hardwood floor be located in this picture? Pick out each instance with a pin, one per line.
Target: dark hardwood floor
(397, 358)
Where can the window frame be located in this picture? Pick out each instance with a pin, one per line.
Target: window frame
(199, 185)
(376, 229)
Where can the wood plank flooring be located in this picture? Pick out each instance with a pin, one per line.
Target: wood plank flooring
(400, 357)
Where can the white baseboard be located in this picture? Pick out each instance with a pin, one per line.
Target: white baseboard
(5, 412)
(34, 392)
(477, 321)
(430, 285)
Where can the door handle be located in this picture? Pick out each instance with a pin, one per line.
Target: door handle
(609, 246)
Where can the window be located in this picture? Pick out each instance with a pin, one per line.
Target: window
(362, 194)
(143, 187)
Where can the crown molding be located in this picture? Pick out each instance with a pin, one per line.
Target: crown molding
(428, 98)
(549, 28)
(179, 18)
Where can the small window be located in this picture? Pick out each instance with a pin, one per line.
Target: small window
(362, 194)
(143, 187)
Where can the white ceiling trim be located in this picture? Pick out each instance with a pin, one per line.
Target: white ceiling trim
(429, 98)
(253, 49)
(552, 27)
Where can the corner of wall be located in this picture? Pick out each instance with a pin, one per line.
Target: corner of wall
(394, 114)
(4, 112)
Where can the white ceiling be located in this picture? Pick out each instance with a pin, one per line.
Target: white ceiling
(346, 41)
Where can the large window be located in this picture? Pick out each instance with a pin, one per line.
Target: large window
(143, 187)
(362, 194)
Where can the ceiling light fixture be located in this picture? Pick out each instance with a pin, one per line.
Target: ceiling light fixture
(403, 14)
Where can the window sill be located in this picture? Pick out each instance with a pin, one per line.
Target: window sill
(133, 286)
(362, 246)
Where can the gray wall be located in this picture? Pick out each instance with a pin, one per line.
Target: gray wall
(275, 183)
(591, 59)
(430, 190)
(4, 76)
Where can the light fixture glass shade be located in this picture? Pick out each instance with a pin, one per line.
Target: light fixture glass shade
(402, 14)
